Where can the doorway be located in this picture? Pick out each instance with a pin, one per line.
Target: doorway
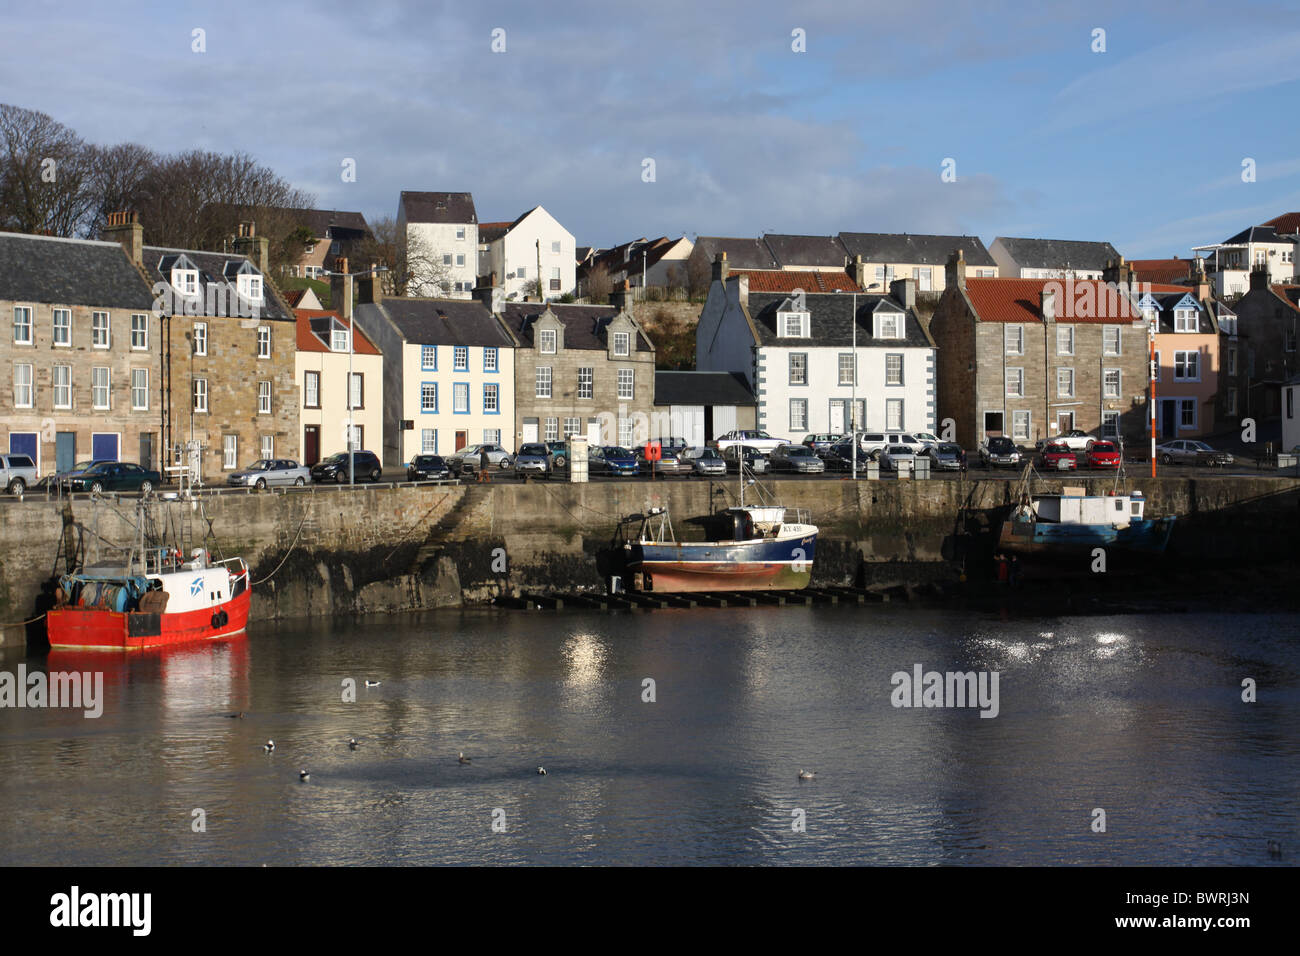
(1064, 422)
(462, 439)
(310, 445)
(992, 424)
(146, 451)
(65, 451)
(1168, 417)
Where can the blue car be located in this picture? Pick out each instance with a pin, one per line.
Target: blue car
(612, 460)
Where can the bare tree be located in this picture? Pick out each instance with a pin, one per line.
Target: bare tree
(118, 177)
(699, 274)
(675, 281)
(422, 269)
(599, 284)
(45, 181)
(383, 247)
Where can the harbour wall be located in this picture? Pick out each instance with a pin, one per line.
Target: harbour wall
(330, 550)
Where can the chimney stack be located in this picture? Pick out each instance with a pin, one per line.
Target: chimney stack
(955, 270)
(859, 272)
(370, 289)
(904, 290)
(1200, 281)
(621, 298)
(248, 243)
(124, 228)
(341, 288)
(720, 268)
(1259, 276)
(1119, 272)
(1047, 304)
(490, 294)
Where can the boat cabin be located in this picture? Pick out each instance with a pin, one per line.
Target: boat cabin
(1079, 508)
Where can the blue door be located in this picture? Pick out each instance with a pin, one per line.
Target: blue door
(65, 451)
(103, 447)
(26, 443)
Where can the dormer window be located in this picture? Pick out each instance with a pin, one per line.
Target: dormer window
(622, 343)
(546, 341)
(1185, 320)
(186, 281)
(250, 287)
(795, 325)
(338, 338)
(888, 325)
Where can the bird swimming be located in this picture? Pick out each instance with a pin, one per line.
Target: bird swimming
(462, 758)
(304, 776)
(237, 716)
(806, 774)
(541, 771)
(352, 744)
(372, 683)
(270, 745)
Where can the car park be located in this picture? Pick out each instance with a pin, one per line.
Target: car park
(999, 451)
(1057, 456)
(467, 460)
(892, 457)
(753, 438)
(1102, 454)
(706, 461)
(1076, 439)
(945, 456)
(427, 468)
(612, 460)
(269, 471)
(17, 472)
(1187, 451)
(364, 466)
(796, 458)
(754, 460)
(116, 476)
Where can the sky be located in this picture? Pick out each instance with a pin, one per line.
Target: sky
(1045, 127)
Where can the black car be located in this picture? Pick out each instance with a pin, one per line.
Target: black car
(999, 450)
(840, 457)
(365, 467)
(427, 468)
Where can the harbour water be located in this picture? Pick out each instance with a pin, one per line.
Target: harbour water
(1139, 715)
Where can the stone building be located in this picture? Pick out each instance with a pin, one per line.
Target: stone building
(1268, 316)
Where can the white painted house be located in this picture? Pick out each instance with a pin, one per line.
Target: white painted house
(1051, 258)
(439, 233)
(796, 352)
(1273, 246)
(516, 251)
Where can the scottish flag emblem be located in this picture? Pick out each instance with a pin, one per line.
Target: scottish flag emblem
(196, 587)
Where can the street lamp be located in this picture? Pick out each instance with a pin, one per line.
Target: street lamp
(351, 322)
(853, 405)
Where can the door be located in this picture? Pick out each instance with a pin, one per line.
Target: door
(310, 445)
(462, 439)
(1064, 422)
(26, 443)
(146, 451)
(65, 451)
(103, 446)
(992, 424)
(1168, 418)
(530, 431)
(838, 424)
(593, 432)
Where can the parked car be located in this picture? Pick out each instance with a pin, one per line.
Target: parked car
(365, 467)
(612, 460)
(705, 460)
(1076, 439)
(672, 446)
(821, 444)
(667, 465)
(999, 451)
(892, 456)
(755, 439)
(269, 471)
(60, 478)
(797, 458)
(533, 458)
(753, 459)
(16, 473)
(1057, 456)
(1187, 451)
(840, 457)
(115, 476)
(928, 440)
(876, 441)
(466, 461)
(427, 468)
(944, 456)
(559, 451)
(1102, 454)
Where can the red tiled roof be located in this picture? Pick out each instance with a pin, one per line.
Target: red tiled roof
(1016, 300)
(1288, 293)
(293, 296)
(765, 280)
(1287, 222)
(1161, 270)
(307, 342)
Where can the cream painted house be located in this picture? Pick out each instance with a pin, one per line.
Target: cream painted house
(321, 366)
(439, 236)
(516, 252)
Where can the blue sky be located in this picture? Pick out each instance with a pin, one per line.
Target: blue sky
(1140, 145)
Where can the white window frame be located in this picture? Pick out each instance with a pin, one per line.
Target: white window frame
(586, 382)
(429, 358)
(490, 358)
(845, 370)
(339, 340)
(1191, 359)
(1106, 332)
(460, 398)
(428, 441)
(1110, 424)
(229, 452)
(1018, 416)
(1064, 383)
(894, 368)
(357, 392)
(24, 385)
(1183, 405)
(1185, 320)
(1014, 374)
(1106, 390)
(1018, 332)
(101, 395)
(268, 446)
(888, 325)
(199, 392)
(65, 327)
(136, 404)
(429, 390)
(139, 331)
(1065, 340)
(572, 426)
(800, 328)
(551, 431)
(803, 368)
(491, 398)
(200, 338)
(25, 326)
(547, 341)
(460, 358)
(542, 383)
(622, 343)
(894, 419)
(65, 386)
(626, 383)
(798, 415)
(101, 329)
(311, 388)
(264, 398)
(263, 340)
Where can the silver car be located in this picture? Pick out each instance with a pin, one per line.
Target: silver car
(1187, 451)
(944, 456)
(705, 461)
(891, 456)
(466, 461)
(270, 471)
(797, 458)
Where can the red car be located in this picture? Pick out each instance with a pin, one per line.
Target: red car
(1103, 454)
(1058, 457)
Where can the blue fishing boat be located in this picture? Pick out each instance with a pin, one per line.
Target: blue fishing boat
(1073, 523)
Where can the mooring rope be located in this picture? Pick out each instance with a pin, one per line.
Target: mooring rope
(292, 543)
(30, 620)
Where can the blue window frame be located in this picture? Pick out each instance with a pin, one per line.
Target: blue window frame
(429, 358)
(429, 398)
(490, 358)
(491, 403)
(460, 398)
(460, 358)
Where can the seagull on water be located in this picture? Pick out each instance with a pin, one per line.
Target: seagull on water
(1274, 848)
(372, 683)
(462, 758)
(304, 776)
(270, 746)
(541, 771)
(352, 743)
(806, 774)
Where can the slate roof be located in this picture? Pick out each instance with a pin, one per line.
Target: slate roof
(70, 272)
(584, 325)
(1254, 234)
(790, 250)
(438, 207)
(831, 321)
(702, 388)
(1058, 253)
(314, 327)
(219, 269)
(741, 253)
(492, 231)
(439, 321)
(922, 250)
(1016, 300)
(1168, 297)
(761, 280)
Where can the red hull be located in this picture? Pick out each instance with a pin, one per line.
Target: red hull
(686, 577)
(95, 628)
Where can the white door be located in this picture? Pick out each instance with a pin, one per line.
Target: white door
(593, 431)
(530, 432)
(838, 425)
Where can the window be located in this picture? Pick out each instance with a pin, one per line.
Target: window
(460, 258)
(263, 398)
(1015, 340)
(572, 426)
(490, 359)
(492, 436)
(794, 325)
(140, 389)
(893, 413)
(200, 394)
(1020, 424)
(1110, 383)
(625, 383)
(22, 325)
(23, 386)
(460, 398)
(1110, 425)
(1065, 340)
(521, 272)
(99, 330)
(460, 233)
(1016, 382)
(798, 368)
(543, 389)
(428, 441)
(923, 275)
(63, 386)
(429, 357)
(63, 327)
(798, 414)
(984, 273)
(358, 394)
(893, 368)
(311, 389)
(625, 432)
(1187, 366)
(446, 259)
(622, 343)
(99, 387)
(889, 325)
(546, 341)
(1155, 368)
(555, 247)
(249, 288)
(846, 368)
(264, 341)
(139, 331)
(228, 458)
(429, 397)
(490, 405)
(460, 358)
(1065, 383)
(339, 340)
(200, 338)
(585, 382)
(555, 280)
(1110, 339)
(1187, 413)
(552, 432)
(1185, 320)
(1232, 401)
(186, 281)
(268, 446)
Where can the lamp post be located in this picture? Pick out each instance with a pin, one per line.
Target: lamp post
(853, 404)
(346, 309)
(1152, 373)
